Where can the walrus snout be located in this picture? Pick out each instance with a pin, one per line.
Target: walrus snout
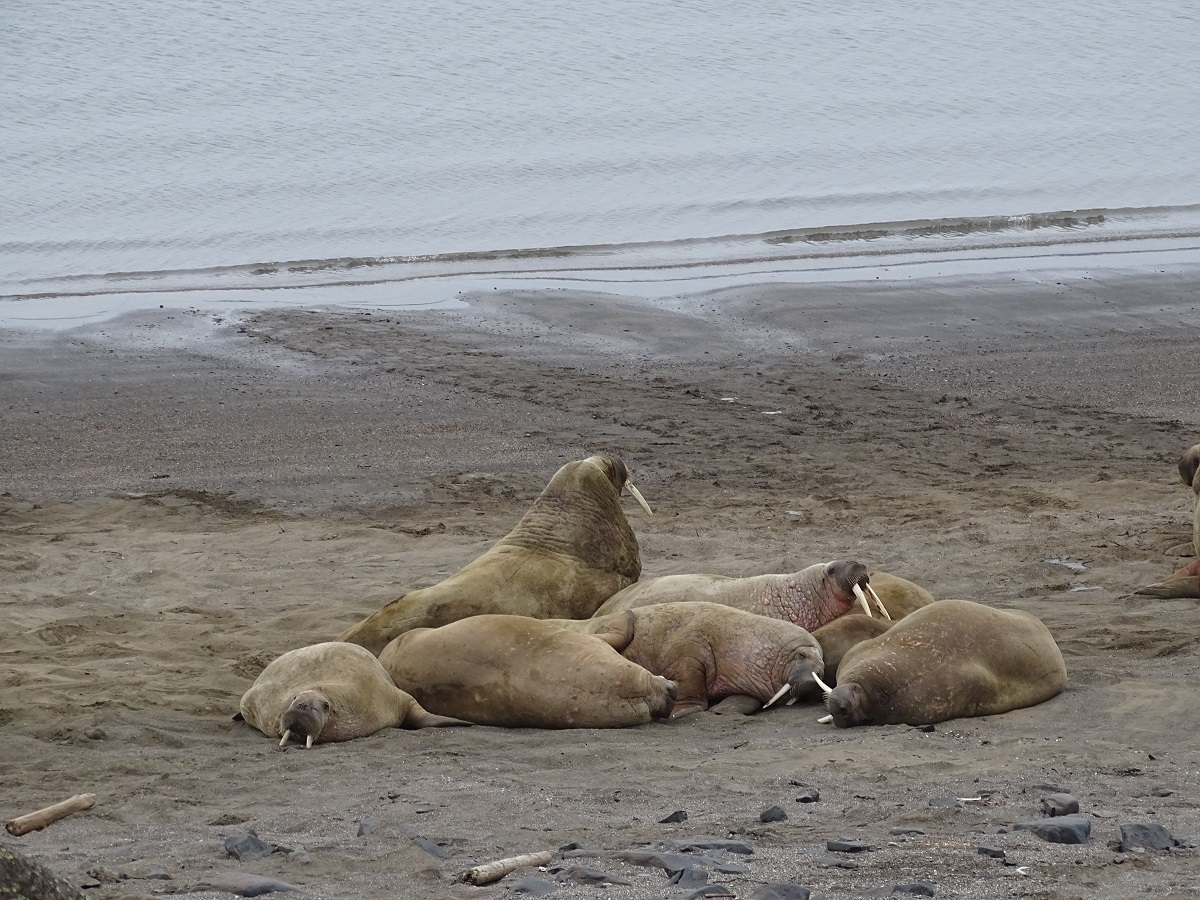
(305, 716)
(847, 573)
(845, 704)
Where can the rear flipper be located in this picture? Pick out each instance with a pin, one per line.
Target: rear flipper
(1184, 583)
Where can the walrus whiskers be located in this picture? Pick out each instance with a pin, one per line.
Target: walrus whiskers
(879, 603)
(286, 734)
(779, 693)
(637, 495)
(822, 685)
(862, 599)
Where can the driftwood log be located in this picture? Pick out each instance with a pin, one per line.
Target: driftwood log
(36, 821)
(494, 871)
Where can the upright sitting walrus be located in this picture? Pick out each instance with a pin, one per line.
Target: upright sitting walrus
(808, 598)
(711, 651)
(518, 672)
(1184, 582)
(947, 660)
(571, 551)
(331, 692)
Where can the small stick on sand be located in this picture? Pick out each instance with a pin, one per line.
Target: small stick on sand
(36, 821)
(494, 871)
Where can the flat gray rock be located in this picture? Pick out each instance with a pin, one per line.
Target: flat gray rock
(1060, 805)
(248, 846)
(1060, 829)
(781, 892)
(1151, 836)
(534, 886)
(244, 884)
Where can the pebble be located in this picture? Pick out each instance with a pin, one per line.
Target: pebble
(692, 876)
(773, 814)
(833, 861)
(847, 845)
(1151, 836)
(917, 889)
(367, 825)
(244, 884)
(534, 886)
(989, 850)
(248, 846)
(96, 734)
(812, 795)
(678, 816)
(1060, 805)
(1075, 829)
(781, 892)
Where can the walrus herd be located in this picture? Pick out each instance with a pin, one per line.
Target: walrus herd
(551, 628)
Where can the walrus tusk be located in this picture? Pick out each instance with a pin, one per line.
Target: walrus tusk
(825, 720)
(822, 685)
(862, 599)
(791, 701)
(36, 821)
(287, 733)
(308, 743)
(879, 603)
(494, 871)
(779, 693)
(637, 495)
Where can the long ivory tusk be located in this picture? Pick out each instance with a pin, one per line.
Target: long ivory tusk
(879, 603)
(822, 685)
(862, 599)
(308, 743)
(779, 693)
(825, 720)
(637, 495)
(286, 734)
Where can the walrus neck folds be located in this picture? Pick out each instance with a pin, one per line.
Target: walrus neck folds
(807, 598)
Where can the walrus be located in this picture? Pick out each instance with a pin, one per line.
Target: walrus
(837, 637)
(1185, 582)
(711, 651)
(331, 692)
(951, 659)
(518, 672)
(571, 551)
(808, 598)
(899, 596)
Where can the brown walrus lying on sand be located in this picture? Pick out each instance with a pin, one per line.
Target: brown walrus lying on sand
(711, 651)
(947, 660)
(808, 598)
(331, 692)
(571, 551)
(518, 672)
(1184, 582)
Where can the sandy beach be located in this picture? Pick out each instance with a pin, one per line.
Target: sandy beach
(186, 495)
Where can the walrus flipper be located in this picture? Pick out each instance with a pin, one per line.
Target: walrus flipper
(1172, 589)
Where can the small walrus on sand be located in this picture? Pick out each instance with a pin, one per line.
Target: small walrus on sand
(331, 692)
(571, 551)
(1184, 582)
(711, 651)
(518, 672)
(808, 598)
(947, 660)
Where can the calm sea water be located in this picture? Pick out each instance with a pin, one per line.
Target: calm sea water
(203, 143)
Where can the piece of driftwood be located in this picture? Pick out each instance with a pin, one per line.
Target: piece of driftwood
(494, 871)
(36, 821)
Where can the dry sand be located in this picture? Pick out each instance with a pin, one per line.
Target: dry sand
(183, 497)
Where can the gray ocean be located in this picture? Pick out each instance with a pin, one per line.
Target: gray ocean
(191, 145)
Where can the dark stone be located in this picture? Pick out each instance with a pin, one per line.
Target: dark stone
(1060, 805)
(847, 845)
(22, 877)
(732, 868)
(580, 875)
(781, 892)
(1158, 792)
(917, 889)
(946, 803)
(367, 825)
(833, 861)
(928, 729)
(431, 847)
(678, 816)
(692, 876)
(248, 846)
(773, 814)
(993, 852)
(578, 854)
(574, 845)
(904, 830)
(534, 886)
(1152, 836)
(244, 884)
(709, 890)
(668, 862)
(95, 734)
(739, 847)
(812, 795)
(1060, 829)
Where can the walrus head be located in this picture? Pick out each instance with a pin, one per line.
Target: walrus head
(805, 665)
(305, 717)
(848, 704)
(1188, 464)
(617, 472)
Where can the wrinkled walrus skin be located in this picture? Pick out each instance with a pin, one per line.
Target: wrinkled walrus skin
(808, 598)
(331, 692)
(517, 672)
(572, 551)
(1185, 582)
(710, 650)
(836, 639)
(948, 660)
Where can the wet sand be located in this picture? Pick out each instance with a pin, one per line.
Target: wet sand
(183, 497)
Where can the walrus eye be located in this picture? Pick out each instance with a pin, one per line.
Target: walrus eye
(325, 706)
